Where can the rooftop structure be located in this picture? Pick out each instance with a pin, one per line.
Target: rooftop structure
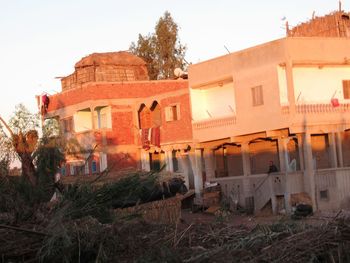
(106, 67)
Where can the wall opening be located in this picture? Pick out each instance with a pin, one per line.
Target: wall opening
(82, 120)
(321, 153)
(156, 115)
(262, 151)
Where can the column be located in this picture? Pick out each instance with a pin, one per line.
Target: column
(290, 87)
(309, 173)
(246, 158)
(196, 162)
(209, 164)
(145, 161)
(300, 150)
(92, 118)
(282, 154)
(284, 161)
(273, 196)
(187, 171)
(169, 161)
(247, 189)
(333, 150)
(339, 149)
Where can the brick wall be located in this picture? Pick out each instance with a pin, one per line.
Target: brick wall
(122, 129)
(109, 73)
(180, 129)
(101, 91)
(125, 129)
(119, 161)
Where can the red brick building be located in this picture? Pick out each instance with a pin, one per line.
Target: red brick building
(112, 115)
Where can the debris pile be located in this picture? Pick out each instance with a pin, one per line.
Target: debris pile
(84, 226)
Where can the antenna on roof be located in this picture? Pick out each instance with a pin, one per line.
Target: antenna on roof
(339, 5)
(227, 49)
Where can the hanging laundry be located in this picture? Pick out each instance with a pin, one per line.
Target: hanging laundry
(155, 139)
(335, 102)
(145, 138)
(45, 103)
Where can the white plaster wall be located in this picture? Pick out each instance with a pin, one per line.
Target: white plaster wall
(82, 121)
(213, 102)
(282, 84)
(197, 96)
(319, 84)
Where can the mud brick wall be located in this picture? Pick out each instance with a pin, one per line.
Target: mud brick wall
(336, 24)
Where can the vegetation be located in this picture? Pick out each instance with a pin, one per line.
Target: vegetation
(83, 225)
(19, 140)
(162, 50)
(22, 140)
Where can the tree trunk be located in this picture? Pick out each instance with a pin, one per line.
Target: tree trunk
(24, 145)
(28, 169)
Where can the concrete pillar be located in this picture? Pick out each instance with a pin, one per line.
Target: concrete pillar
(333, 150)
(186, 169)
(339, 149)
(300, 150)
(290, 87)
(92, 118)
(196, 162)
(273, 196)
(162, 159)
(246, 158)
(283, 154)
(309, 173)
(209, 164)
(145, 161)
(169, 161)
(284, 164)
(247, 188)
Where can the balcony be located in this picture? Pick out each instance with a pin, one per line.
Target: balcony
(215, 128)
(316, 113)
(322, 108)
(318, 108)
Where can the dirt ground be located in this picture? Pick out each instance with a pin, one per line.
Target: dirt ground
(250, 221)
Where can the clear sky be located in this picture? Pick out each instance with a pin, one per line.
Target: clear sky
(43, 39)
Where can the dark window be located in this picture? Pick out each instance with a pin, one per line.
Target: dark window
(324, 195)
(63, 170)
(93, 167)
(156, 115)
(172, 113)
(79, 169)
(154, 159)
(175, 162)
(68, 125)
(257, 96)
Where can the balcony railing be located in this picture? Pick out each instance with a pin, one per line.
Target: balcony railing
(321, 108)
(318, 108)
(214, 123)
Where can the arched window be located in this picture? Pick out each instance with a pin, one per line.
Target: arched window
(144, 117)
(156, 115)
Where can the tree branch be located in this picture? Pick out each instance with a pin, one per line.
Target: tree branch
(7, 127)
